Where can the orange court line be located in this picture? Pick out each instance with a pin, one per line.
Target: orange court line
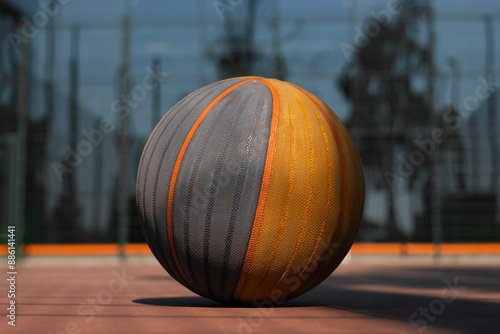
(425, 248)
(359, 248)
(376, 248)
(71, 249)
(460, 249)
(137, 249)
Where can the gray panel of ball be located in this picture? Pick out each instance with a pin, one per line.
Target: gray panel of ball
(157, 164)
(218, 188)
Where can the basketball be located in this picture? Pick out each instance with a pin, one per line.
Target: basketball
(250, 190)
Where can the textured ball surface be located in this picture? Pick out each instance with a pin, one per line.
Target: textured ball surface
(250, 189)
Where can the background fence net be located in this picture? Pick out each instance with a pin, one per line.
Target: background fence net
(415, 85)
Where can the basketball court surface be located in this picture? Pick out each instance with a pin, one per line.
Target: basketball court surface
(380, 294)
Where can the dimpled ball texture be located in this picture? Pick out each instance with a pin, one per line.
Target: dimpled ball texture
(250, 190)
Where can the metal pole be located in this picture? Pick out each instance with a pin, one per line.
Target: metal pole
(73, 89)
(71, 189)
(123, 140)
(351, 22)
(454, 136)
(156, 96)
(13, 190)
(489, 69)
(97, 184)
(22, 123)
(277, 41)
(202, 81)
(437, 229)
(49, 94)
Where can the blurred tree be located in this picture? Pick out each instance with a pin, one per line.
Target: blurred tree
(386, 82)
(236, 53)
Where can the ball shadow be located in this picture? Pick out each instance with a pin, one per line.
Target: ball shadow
(198, 301)
(188, 301)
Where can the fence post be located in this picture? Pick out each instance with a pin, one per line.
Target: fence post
(20, 145)
(14, 191)
(489, 70)
(156, 96)
(123, 140)
(436, 219)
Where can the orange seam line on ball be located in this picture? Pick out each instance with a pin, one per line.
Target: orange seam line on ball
(286, 206)
(176, 172)
(259, 213)
(328, 198)
(343, 166)
(309, 193)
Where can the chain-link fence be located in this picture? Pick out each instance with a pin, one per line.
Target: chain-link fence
(418, 91)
